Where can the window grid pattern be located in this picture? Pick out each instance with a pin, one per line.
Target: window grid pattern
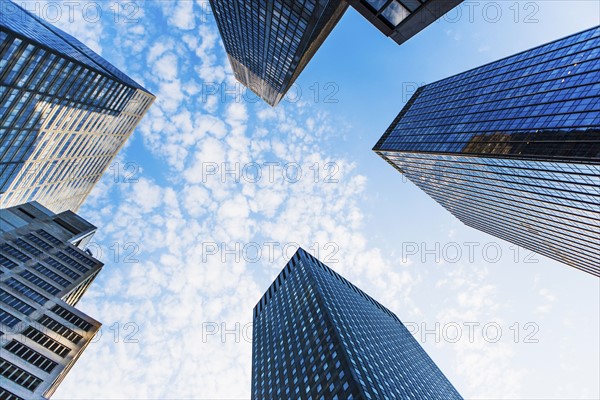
(513, 148)
(59, 328)
(317, 336)
(16, 303)
(18, 375)
(388, 362)
(8, 319)
(543, 103)
(5, 262)
(563, 227)
(47, 333)
(302, 357)
(50, 238)
(81, 256)
(46, 341)
(270, 42)
(47, 272)
(38, 242)
(31, 356)
(6, 395)
(71, 262)
(39, 282)
(64, 113)
(70, 317)
(26, 291)
(62, 268)
(23, 245)
(13, 252)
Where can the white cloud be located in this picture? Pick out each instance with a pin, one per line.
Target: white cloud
(173, 216)
(181, 14)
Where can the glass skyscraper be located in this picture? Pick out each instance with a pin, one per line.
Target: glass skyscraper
(512, 148)
(402, 19)
(270, 42)
(317, 336)
(44, 271)
(65, 112)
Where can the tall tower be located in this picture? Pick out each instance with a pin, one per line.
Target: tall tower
(317, 336)
(44, 271)
(270, 42)
(65, 112)
(402, 19)
(512, 148)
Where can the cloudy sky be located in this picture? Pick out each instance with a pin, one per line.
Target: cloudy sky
(215, 190)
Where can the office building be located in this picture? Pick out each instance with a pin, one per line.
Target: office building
(317, 336)
(512, 148)
(269, 43)
(402, 19)
(65, 113)
(44, 271)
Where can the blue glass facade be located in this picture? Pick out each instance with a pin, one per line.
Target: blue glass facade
(269, 43)
(317, 336)
(64, 112)
(512, 148)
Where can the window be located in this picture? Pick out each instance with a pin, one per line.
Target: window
(31, 356)
(46, 341)
(72, 318)
(8, 319)
(6, 395)
(5, 262)
(19, 376)
(39, 282)
(10, 250)
(60, 329)
(26, 290)
(15, 303)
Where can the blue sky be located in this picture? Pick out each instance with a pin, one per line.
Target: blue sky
(176, 309)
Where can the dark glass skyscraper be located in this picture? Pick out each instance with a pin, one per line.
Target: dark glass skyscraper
(270, 42)
(44, 271)
(512, 148)
(402, 19)
(317, 336)
(65, 112)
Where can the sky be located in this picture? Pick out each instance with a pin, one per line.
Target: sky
(215, 190)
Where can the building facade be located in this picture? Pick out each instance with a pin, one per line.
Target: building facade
(44, 271)
(512, 148)
(65, 112)
(317, 336)
(402, 19)
(269, 43)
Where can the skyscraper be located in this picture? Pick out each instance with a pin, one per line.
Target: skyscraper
(44, 271)
(512, 148)
(270, 42)
(317, 336)
(65, 112)
(402, 19)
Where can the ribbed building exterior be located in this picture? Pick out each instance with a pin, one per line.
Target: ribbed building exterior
(269, 43)
(512, 148)
(317, 336)
(65, 112)
(44, 271)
